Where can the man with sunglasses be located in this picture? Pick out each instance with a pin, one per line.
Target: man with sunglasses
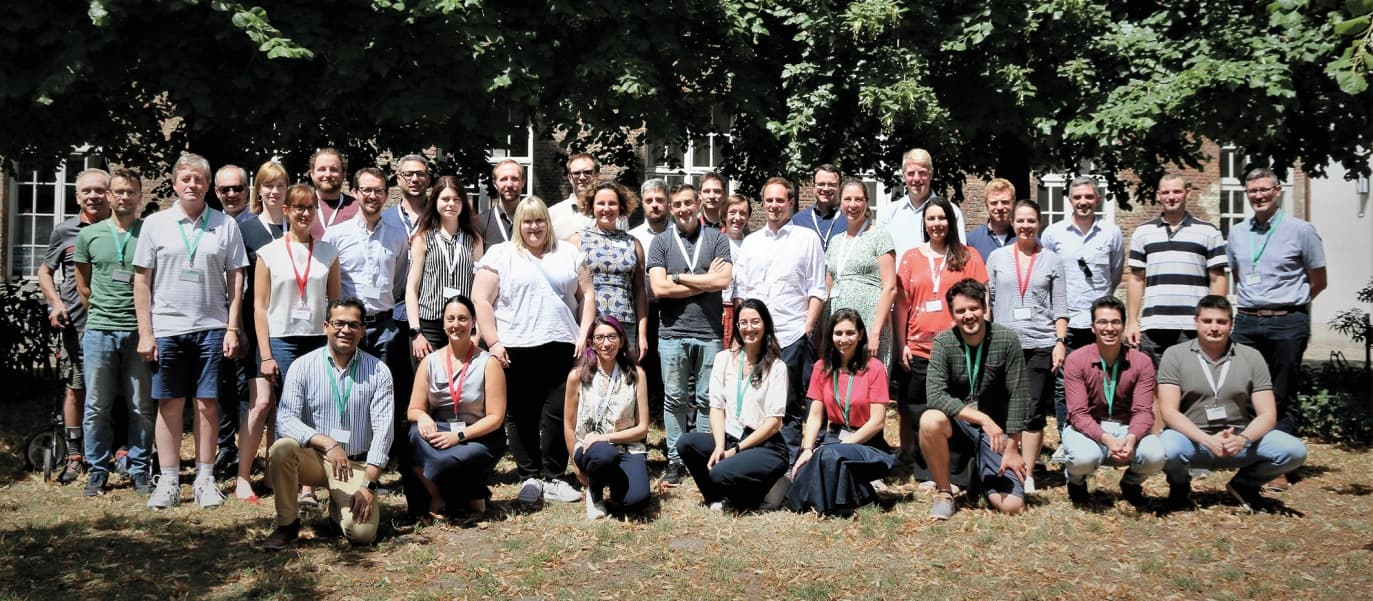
(566, 218)
(231, 188)
(232, 191)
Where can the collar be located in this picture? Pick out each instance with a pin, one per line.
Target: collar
(1009, 235)
(1095, 355)
(818, 215)
(329, 356)
(781, 232)
(1072, 225)
(1194, 345)
(181, 215)
(362, 222)
(706, 223)
(1187, 219)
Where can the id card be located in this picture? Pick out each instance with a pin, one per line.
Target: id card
(457, 427)
(123, 276)
(735, 429)
(301, 312)
(1215, 413)
(1252, 278)
(341, 436)
(933, 306)
(449, 292)
(845, 434)
(1022, 313)
(190, 275)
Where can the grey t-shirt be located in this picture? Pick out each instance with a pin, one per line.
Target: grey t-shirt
(695, 316)
(59, 258)
(1247, 374)
(1032, 316)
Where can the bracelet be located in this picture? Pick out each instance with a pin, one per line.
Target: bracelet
(266, 359)
(335, 446)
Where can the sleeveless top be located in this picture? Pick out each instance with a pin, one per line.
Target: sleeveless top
(611, 260)
(440, 274)
(284, 293)
(472, 405)
(608, 404)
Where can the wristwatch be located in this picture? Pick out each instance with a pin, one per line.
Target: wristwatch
(462, 436)
(676, 278)
(414, 334)
(371, 485)
(1063, 339)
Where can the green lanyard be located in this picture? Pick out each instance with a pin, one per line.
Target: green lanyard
(191, 247)
(341, 397)
(1257, 253)
(848, 395)
(1108, 385)
(119, 243)
(974, 369)
(739, 387)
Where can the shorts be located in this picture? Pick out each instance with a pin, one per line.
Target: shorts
(188, 365)
(72, 367)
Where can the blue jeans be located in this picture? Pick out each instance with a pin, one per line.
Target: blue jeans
(286, 349)
(1084, 455)
(112, 362)
(682, 358)
(188, 365)
(1272, 455)
(1281, 339)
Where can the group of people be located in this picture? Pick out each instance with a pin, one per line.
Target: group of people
(432, 338)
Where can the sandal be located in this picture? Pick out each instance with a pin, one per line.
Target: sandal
(307, 501)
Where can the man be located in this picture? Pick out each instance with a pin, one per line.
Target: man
(824, 216)
(784, 266)
(712, 200)
(104, 279)
(496, 222)
(232, 191)
(688, 267)
(414, 178)
(187, 289)
(1217, 400)
(566, 217)
(978, 396)
(328, 169)
(656, 221)
(1110, 393)
(905, 217)
(335, 422)
(66, 311)
(1174, 261)
(1279, 266)
(999, 196)
(231, 188)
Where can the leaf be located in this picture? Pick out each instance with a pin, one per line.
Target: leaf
(1353, 26)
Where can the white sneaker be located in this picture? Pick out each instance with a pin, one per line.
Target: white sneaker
(560, 490)
(717, 507)
(166, 493)
(1029, 485)
(595, 510)
(1060, 456)
(207, 494)
(530, 492)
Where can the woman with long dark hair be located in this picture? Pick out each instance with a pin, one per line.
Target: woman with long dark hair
(442, 253)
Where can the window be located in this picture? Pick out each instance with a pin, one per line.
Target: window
(1234, 206)
(40, 201)
(1052, 197)
(679, 165)
(518, 147)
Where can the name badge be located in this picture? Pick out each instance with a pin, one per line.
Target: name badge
(1215, 413)
(933, 306)
(301, 312)
(1252, 278)
(457, 427)
(845, 434)
(341, 436)
(1022, 313)
(449, 292)
(735, 429)
(190, 275)
(123, 276)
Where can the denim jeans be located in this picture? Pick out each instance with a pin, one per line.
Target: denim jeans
(112, 362)
(1281, 339)
(1084, 455)
(188, 366)
(285, 350)
(1272, 455)
(682, 358)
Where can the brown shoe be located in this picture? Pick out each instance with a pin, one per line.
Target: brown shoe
(1279, 484)
(282, 537)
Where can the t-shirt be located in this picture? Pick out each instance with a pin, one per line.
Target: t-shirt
(1247, 374)
(869, 387)
(745, 403)
(1045, 294)
(110, 253)
(59, 258)
(331, 214)
(695, 316)
(916, 278)
(1177, 265)
(535, 302)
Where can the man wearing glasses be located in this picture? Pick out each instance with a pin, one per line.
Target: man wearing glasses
(1279, 267)
(328, 169)
(566, 217)
(231, 190)
(1110, 396)
(335, 422)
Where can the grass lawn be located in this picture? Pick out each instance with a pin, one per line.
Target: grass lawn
(56, 544)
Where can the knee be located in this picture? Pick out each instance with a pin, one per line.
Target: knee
(934, 423)
(1009, 504)
(598, 456)
(1082, 464)
(361, 533)
(1150, 454)
(283, 448)
(1290, 451)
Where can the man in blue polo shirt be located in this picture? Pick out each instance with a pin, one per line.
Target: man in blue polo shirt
(824, 216)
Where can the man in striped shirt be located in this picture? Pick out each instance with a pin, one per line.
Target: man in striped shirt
(1174, 261)
(335, 426)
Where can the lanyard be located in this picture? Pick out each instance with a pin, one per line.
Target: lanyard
(974, 366)
(193, 246)
(333, 218)
(410, 224)
(739, 386)
(1023, 280)
(501, 218)
(271, 227)
(301, 279)
(849, 242)
(455, 392)
(695, 253)
(1257, 253)
(119, 244)
(1108, 384)
(815, 225)
(1211, 380)
(603, 396)
(449, 251)
(341, 397)
(938, 274)
(848, 395)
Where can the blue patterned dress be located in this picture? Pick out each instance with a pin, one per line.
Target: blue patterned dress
(611, 259)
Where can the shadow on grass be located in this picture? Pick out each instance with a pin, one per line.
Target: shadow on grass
(1356, 489)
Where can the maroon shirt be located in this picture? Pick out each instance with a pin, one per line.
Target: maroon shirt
(1084, 389)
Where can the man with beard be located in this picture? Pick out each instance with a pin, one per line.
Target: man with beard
(327, 172)
(495, 223)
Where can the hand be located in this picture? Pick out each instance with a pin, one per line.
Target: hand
(1232, 441)
(58, 317)
(715, 457)
(338, 458)
(362, 504)
(801, 460)
(1215, 443)
(580, 348)
(498, 351)
(420, 348)
(1060, 351)
(718, 265)
(147, 348)
(426, 426)
(1132, 334)
(995, 435)
(906, 355)
(581, 477)
(593, 438)
(231, 346)
(270, 371)
(643, 345)
(875, 345)
(1119, 449)
(1011, 460)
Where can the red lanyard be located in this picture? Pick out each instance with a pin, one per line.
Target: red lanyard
(1024, 280)
(455, 392)
(301, 279)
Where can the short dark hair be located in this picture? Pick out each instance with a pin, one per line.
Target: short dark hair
(347, 301)
(1215, 301)
(128, 176)
(372, 171)
(967, 287)
(1108, 302)
(827, 168)
(679, 188)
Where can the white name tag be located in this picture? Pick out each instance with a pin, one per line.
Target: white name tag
(1022, 313)
(123, 276)
(457, 427)
(449, 292)
(735, 429)
(1252, 278)
(933, 306)
(301, 313)
(341, 436)
(845, 434)
(1110, 424)
(190, 275)
(1215, 413)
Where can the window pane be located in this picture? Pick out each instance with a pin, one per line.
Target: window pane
(44, 201)
(42, 231)
(69, 206)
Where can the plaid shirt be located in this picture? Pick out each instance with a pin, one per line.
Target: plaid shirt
(1002, 391)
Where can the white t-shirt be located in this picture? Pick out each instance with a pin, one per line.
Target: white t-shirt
(537, 300)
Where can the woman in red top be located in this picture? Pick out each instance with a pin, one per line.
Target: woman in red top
(848, 392)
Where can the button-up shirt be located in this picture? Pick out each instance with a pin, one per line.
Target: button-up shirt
(1001, 390)
(1291, 247)
(1083, 388)
(906, 222)
(784, 269)
(371, 262)
(1099, 251)
(309, 405)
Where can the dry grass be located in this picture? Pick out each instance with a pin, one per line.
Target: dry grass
(53, 542)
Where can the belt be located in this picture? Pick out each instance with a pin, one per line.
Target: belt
(1274, 311)
(379, 315)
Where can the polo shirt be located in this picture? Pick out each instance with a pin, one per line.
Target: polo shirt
(59, 258)
(1248, 373)
(1176, 264)
(986, 241)
(370, 262)
(906, 222)
(1084, 389)
(1101, 250)
(1001, 390)
(1286, 247)
(697, 316)
(189, 294)
(824, 227)
(112, 306)
(784, 269)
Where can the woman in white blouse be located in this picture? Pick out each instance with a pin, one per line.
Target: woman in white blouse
(743, 455)
(605, 422)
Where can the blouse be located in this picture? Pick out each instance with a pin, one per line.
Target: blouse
(311, 263)
(472, 398)
(858, 391)
(613, 263)
(924, 282)
(609, 403)
(537, 297)
(448, 271)
(746, 404)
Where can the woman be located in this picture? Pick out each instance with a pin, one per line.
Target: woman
(737, 213)
(527, 292)
(447, 245)
(1025, 283)
(294, 279)
(269, 188)
(605, 421)
(457, 408)
(743, 454)
(925, 275)
(616, 262)
(835, 477)
(861, 268)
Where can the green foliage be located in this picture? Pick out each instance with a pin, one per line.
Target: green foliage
(1351, 69)
(27, 343)
(1336, 404)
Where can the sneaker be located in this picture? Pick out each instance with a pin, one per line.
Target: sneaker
(943, 507)
(559, 490)
(595, 510)
(121, 463)
(72, 470)
(1279, 484)
(207, 494)
(95, 485)
(1029, 485)
(1133, 494)
(717, 507)
(282, 537)
(1060, 456)
(672, 478)
(1180, 496)
(1249, 496)
(141, 484)
(166, 493)
(530, 492)
(1077, 493)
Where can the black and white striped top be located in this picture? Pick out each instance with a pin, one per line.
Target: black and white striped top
(447, 265)
(1176, 263)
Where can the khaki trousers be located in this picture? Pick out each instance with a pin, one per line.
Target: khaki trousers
(290, 465)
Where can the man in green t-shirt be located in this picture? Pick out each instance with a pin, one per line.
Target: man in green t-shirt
(104, 279)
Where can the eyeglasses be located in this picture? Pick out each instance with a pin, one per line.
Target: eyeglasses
(412, 174)
(605, 338)
(1114, 323)
(346, 325)
(582, 173)
(1258, 191)
(228, 189)
(372, 191)
(303, 208)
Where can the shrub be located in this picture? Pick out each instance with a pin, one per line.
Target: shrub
(27, 342)
(1335, 401)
